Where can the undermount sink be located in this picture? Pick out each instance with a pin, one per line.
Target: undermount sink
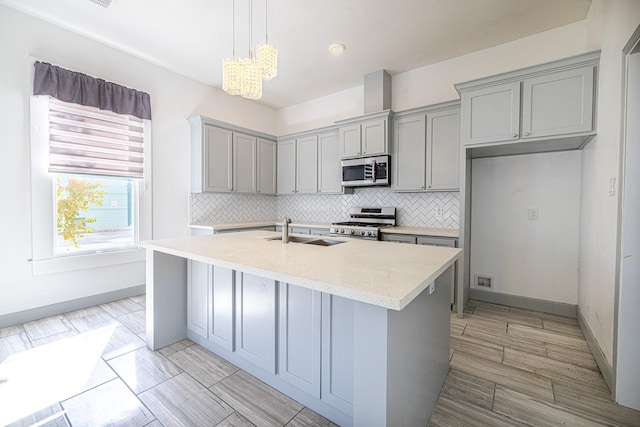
(308, 240)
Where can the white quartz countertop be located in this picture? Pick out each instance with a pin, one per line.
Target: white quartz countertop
(417, 231)
(385, 274)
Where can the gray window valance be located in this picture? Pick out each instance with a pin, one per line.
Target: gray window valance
(70, 86)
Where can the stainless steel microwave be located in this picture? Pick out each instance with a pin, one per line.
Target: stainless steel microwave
(366, 171)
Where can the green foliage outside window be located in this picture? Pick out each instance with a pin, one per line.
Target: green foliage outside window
(73, 199)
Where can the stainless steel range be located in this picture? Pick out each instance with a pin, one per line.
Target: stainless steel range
(365, 223)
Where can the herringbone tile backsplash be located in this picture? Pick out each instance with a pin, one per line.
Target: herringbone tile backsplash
(440, 210)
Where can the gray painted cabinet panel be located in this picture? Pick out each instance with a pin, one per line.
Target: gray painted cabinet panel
(491, 114)
(399, 238)
(337, 352)
(244, 163)
(255, 333)
(198, 279)
(409, 153)
(222, 319)
(558, 103)
(350, 141)
(287, 167)
(307, 165)
(299, 337)
(266, 167)
(443, 150)
(374, 137)
(218, 156)
(329, 170)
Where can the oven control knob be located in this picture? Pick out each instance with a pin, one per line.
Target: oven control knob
(371, 233)
(342, 230)
(350, 231)
(363, 233)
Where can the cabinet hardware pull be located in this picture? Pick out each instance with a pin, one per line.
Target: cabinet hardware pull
(527, 134)
(515, 135)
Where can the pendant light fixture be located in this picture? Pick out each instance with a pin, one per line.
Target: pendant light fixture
(267, 53)
(244, 76)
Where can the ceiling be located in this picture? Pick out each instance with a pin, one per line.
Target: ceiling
(191, 37)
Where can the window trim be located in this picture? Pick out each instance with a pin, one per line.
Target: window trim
(43, 227)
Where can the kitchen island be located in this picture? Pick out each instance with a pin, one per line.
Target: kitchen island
(356, 330)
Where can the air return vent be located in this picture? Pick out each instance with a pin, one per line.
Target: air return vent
(103, 3)
(484, 282)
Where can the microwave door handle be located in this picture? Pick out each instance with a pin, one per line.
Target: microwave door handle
(373, 170)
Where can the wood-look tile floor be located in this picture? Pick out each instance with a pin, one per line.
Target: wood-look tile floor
(515, 367)
(509, 367)
(91, 368)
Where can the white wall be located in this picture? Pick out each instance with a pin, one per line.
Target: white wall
(173, 99)
(609, 25)
(535, 259)
(434, 83)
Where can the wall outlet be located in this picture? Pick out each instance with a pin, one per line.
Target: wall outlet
(612, 186)
(432, 287)
(533, 214)
(439, 211)
(485, 282)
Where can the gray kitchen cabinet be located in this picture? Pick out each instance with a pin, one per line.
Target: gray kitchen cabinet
(544, 108)
(452, 274)
(436, 241)
(224, 157)
(365, 136)
(286, 167)
(558, 103)
(426, 149)
(307, 165)
(492, 114)
(244, 163)
(215, 160)
(329, 168)
(222, 318)
(299, 337)
(266, 166)
(443, 150)
(198, 280)
(398, 238)
(409, 153)
(255, 324)
(337, 352)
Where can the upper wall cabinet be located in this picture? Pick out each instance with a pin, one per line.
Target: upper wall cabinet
(309, 163)
(426, 147)
(365, 136)
(225, 158)
(549, 107)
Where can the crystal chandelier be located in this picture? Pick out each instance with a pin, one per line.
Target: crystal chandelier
(243, 76)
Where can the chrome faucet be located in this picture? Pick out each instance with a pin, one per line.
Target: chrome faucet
(285, 229)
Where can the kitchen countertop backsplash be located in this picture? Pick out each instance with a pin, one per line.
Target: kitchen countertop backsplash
(437, 209)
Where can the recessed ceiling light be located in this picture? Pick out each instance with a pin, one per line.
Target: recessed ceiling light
(336, 49)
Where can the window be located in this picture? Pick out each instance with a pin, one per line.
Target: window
(90, 172)
(93, 157)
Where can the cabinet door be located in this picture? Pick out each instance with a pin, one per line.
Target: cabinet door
(337, 352)
(443, 150)
(307, 164)
(286, 167)
(244, 163)
(329, 169)
(299, 337)
(374, 137)
(198, 297)
(218, 156)
(255, 333)
(491, 114)
(409, 153)
(399, 238)
(558, 103)
(266, 167)
(436, 241)
(222, 312)
(350, 141)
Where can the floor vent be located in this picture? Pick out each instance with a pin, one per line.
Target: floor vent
(485, 282)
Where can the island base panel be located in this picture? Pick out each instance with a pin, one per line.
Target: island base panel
(166, 297)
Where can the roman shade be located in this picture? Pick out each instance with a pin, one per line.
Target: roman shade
(95, 127)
